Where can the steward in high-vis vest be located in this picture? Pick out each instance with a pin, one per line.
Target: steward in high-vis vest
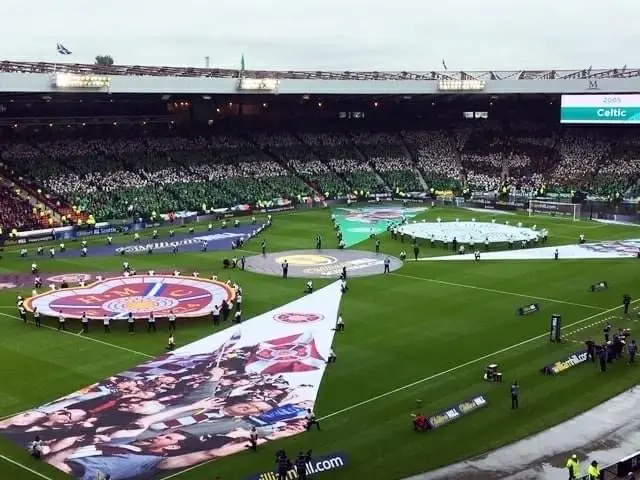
(573, 465)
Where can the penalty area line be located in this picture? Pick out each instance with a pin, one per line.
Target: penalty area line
(91, 339)
(24, 467)
(463, 365)
(500, 292)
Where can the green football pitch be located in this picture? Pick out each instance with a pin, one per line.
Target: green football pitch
(424, 332)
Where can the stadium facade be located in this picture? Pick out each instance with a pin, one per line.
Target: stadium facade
(42, 78)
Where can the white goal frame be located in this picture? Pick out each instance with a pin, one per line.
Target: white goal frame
(555, 209)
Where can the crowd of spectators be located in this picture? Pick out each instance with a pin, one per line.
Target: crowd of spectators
(121, 177)
(135, 177)
(16, 212)
(341, 155)
(436, 158)
(301, 159)
(388, 157)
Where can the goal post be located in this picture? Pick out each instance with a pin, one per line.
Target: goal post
(554, 209)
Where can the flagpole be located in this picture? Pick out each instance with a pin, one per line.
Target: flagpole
(225, 345)
(219, 359)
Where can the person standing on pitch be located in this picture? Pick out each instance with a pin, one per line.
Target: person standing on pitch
(604, 357)
(515, 394)
(573, 465)
(632, 349)
(85, 323)
(311, 420)
(216, 315)
(151, 323)
(301, 466)
(285, 269)
(172, 321)
(626, 301)
(416, 250)
(131, 322)
(387, 264)
(253, 440)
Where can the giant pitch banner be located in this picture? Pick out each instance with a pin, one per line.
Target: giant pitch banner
(195, 404)
(358, 223)
(138, 295)
(599, 250)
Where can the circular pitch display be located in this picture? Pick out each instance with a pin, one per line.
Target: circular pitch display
(138, 295)
(467, 232)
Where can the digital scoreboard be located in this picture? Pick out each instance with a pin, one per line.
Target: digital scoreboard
(600, 109)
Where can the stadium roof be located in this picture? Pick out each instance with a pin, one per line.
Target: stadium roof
(160, 71)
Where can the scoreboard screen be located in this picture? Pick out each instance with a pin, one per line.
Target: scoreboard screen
(601, 109)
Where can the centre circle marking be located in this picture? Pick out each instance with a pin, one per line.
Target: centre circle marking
(139, 295)
(322, 263)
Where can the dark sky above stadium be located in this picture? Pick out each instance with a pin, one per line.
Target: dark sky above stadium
(328, 34)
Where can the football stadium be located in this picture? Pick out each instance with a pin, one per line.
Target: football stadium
(240, 274)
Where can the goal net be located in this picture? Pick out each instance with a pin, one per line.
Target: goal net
(554, 209)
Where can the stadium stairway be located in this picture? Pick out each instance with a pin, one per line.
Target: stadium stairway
(411, 158)
(276, 158)
(323, 158)
(363, 158)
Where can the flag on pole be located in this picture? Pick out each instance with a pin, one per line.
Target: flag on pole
(242, 64)
(444, 65)
(62, 50)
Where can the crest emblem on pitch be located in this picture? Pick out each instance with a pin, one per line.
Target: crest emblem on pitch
(297, 317)
(70, 278)
(139, 295)
(307, 260)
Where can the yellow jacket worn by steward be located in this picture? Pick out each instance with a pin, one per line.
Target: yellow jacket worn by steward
(594, 472)
(573, 465)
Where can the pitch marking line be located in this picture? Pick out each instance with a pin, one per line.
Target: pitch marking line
(12, 415)
(77, 335)
(462, 365)
(501, 292)
(24, 467)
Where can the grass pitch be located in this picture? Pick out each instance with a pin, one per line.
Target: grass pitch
(425, 332)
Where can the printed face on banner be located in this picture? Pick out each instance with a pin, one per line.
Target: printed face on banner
(196, 404)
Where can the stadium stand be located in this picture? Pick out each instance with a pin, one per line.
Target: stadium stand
(68, 172)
